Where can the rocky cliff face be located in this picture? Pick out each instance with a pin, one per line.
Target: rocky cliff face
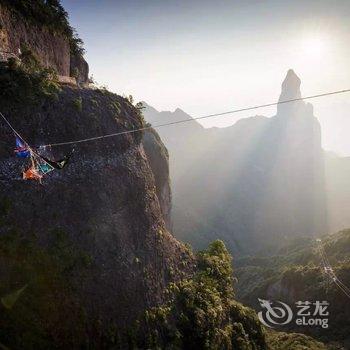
(249, 184)
(52, 48)
(158, 157)
(102, 209)
(79, 68)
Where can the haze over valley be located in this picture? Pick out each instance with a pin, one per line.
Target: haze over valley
(258, 182)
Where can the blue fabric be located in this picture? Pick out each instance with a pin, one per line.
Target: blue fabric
(22, 154)
(21, 149)
(19, 143)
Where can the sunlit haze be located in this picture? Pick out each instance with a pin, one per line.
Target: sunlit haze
(206, 57)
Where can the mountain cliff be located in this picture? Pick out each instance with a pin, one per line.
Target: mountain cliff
(43, 27)
(249, 184)
(86, 258)
(158, 157)
(90, 242)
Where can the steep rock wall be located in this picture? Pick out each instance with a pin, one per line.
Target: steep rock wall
(158, 157)
(52, 50)
(79, 68)
(105, 203)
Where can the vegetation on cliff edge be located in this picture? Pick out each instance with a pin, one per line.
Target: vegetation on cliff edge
(49, 14)
(202, 312)
(26, 81)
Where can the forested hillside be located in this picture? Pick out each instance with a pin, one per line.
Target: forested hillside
(296, 272)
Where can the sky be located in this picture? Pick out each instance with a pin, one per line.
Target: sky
(212, 56)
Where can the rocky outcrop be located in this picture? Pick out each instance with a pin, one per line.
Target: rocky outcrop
(104, 204)
(15, 32)
(250, 184)
(158, 157)
(52, 48)
(79, 68)
(290, 90)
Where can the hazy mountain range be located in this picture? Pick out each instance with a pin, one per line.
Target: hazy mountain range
(257, 182)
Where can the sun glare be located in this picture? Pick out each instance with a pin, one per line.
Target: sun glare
(313, 47)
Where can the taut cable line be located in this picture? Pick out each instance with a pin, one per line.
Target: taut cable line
(198, 118)
(328, 269)
(73, 142)
(32, 151)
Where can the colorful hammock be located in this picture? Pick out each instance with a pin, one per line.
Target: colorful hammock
(40, 165)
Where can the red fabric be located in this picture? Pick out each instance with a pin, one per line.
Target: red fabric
(31, 174)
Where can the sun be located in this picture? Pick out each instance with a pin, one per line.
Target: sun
(313, 46)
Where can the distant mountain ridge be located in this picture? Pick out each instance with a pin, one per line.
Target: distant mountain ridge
(257, 181)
